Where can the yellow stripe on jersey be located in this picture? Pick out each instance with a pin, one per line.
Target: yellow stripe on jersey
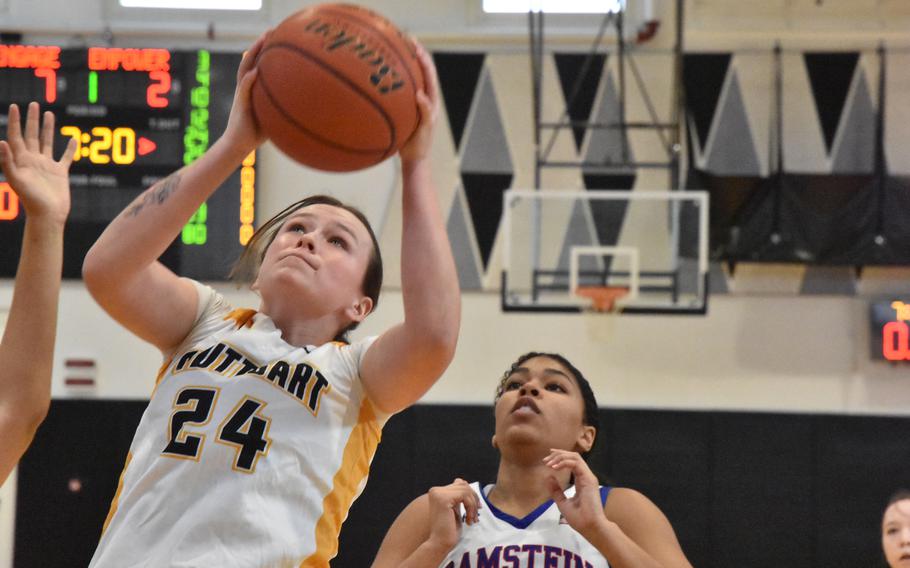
(129, 456)
(355, 464)
(161, 371)
(243, 317)
(110, 514)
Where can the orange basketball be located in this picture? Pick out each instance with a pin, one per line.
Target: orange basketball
(337, 87)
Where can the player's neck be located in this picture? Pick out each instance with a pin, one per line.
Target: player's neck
(302, 332)
(520, 488)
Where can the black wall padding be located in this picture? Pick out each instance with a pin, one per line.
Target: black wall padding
(666, 456)
(81, 440)
(762, 510)
(860, 462)
(741, 489)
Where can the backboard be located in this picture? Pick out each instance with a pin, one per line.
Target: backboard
(559, 245)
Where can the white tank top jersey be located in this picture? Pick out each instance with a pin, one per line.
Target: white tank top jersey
(542, 539)
(249, 454)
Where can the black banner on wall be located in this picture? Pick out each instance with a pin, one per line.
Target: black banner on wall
(793, 184)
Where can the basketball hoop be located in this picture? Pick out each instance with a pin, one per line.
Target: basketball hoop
(603, 298)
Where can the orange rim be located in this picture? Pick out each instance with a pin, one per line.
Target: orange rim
(603, 298)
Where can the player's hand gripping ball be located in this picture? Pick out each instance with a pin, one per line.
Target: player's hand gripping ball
(337, 87)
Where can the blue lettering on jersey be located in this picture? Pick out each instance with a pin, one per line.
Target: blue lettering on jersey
(510, 554)
(532, 550)
(491, 561)
(524, 556)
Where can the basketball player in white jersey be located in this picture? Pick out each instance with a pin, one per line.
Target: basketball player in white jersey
(262, 425)
(546, 508)
(27, 350)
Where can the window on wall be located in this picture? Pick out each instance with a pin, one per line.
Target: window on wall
(195, 4)
(552, 6)
(578, 18)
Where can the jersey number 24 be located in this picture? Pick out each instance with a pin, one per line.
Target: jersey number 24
(244, 428)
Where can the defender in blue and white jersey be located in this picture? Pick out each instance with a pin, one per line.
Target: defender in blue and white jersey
(546, 509)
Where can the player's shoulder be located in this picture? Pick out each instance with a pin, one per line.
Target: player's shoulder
(211, 304)
(625, 505)
(417, 512)
(626, 497)
(342, 346)
(346, 356)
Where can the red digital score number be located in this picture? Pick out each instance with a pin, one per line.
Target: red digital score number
(896, 334)
(155, 62)
(896, 341)
(44, 59)
(9, 203)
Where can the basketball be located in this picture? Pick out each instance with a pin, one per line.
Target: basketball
(337, 87)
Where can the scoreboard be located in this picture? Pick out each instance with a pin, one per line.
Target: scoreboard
(137, 115)
(890, 330)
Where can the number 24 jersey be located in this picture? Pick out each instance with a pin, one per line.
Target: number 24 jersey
(250, 452)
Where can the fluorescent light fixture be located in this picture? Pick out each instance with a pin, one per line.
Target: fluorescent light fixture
(552, 6)
(195, 4)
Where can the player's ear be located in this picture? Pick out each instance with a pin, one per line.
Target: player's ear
(493, 442)
(359, 310)
(586, 438)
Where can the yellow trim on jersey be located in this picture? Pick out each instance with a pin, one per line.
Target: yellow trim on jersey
(355, 465)
(113, 509)
(161, 372)
(243, 317)
(129, 456)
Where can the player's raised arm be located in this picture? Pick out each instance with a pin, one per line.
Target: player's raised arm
(26, 353)
(121, 270)
(407, 359)
(253, 390)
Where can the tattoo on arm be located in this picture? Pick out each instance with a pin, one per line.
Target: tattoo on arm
(155, 195)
